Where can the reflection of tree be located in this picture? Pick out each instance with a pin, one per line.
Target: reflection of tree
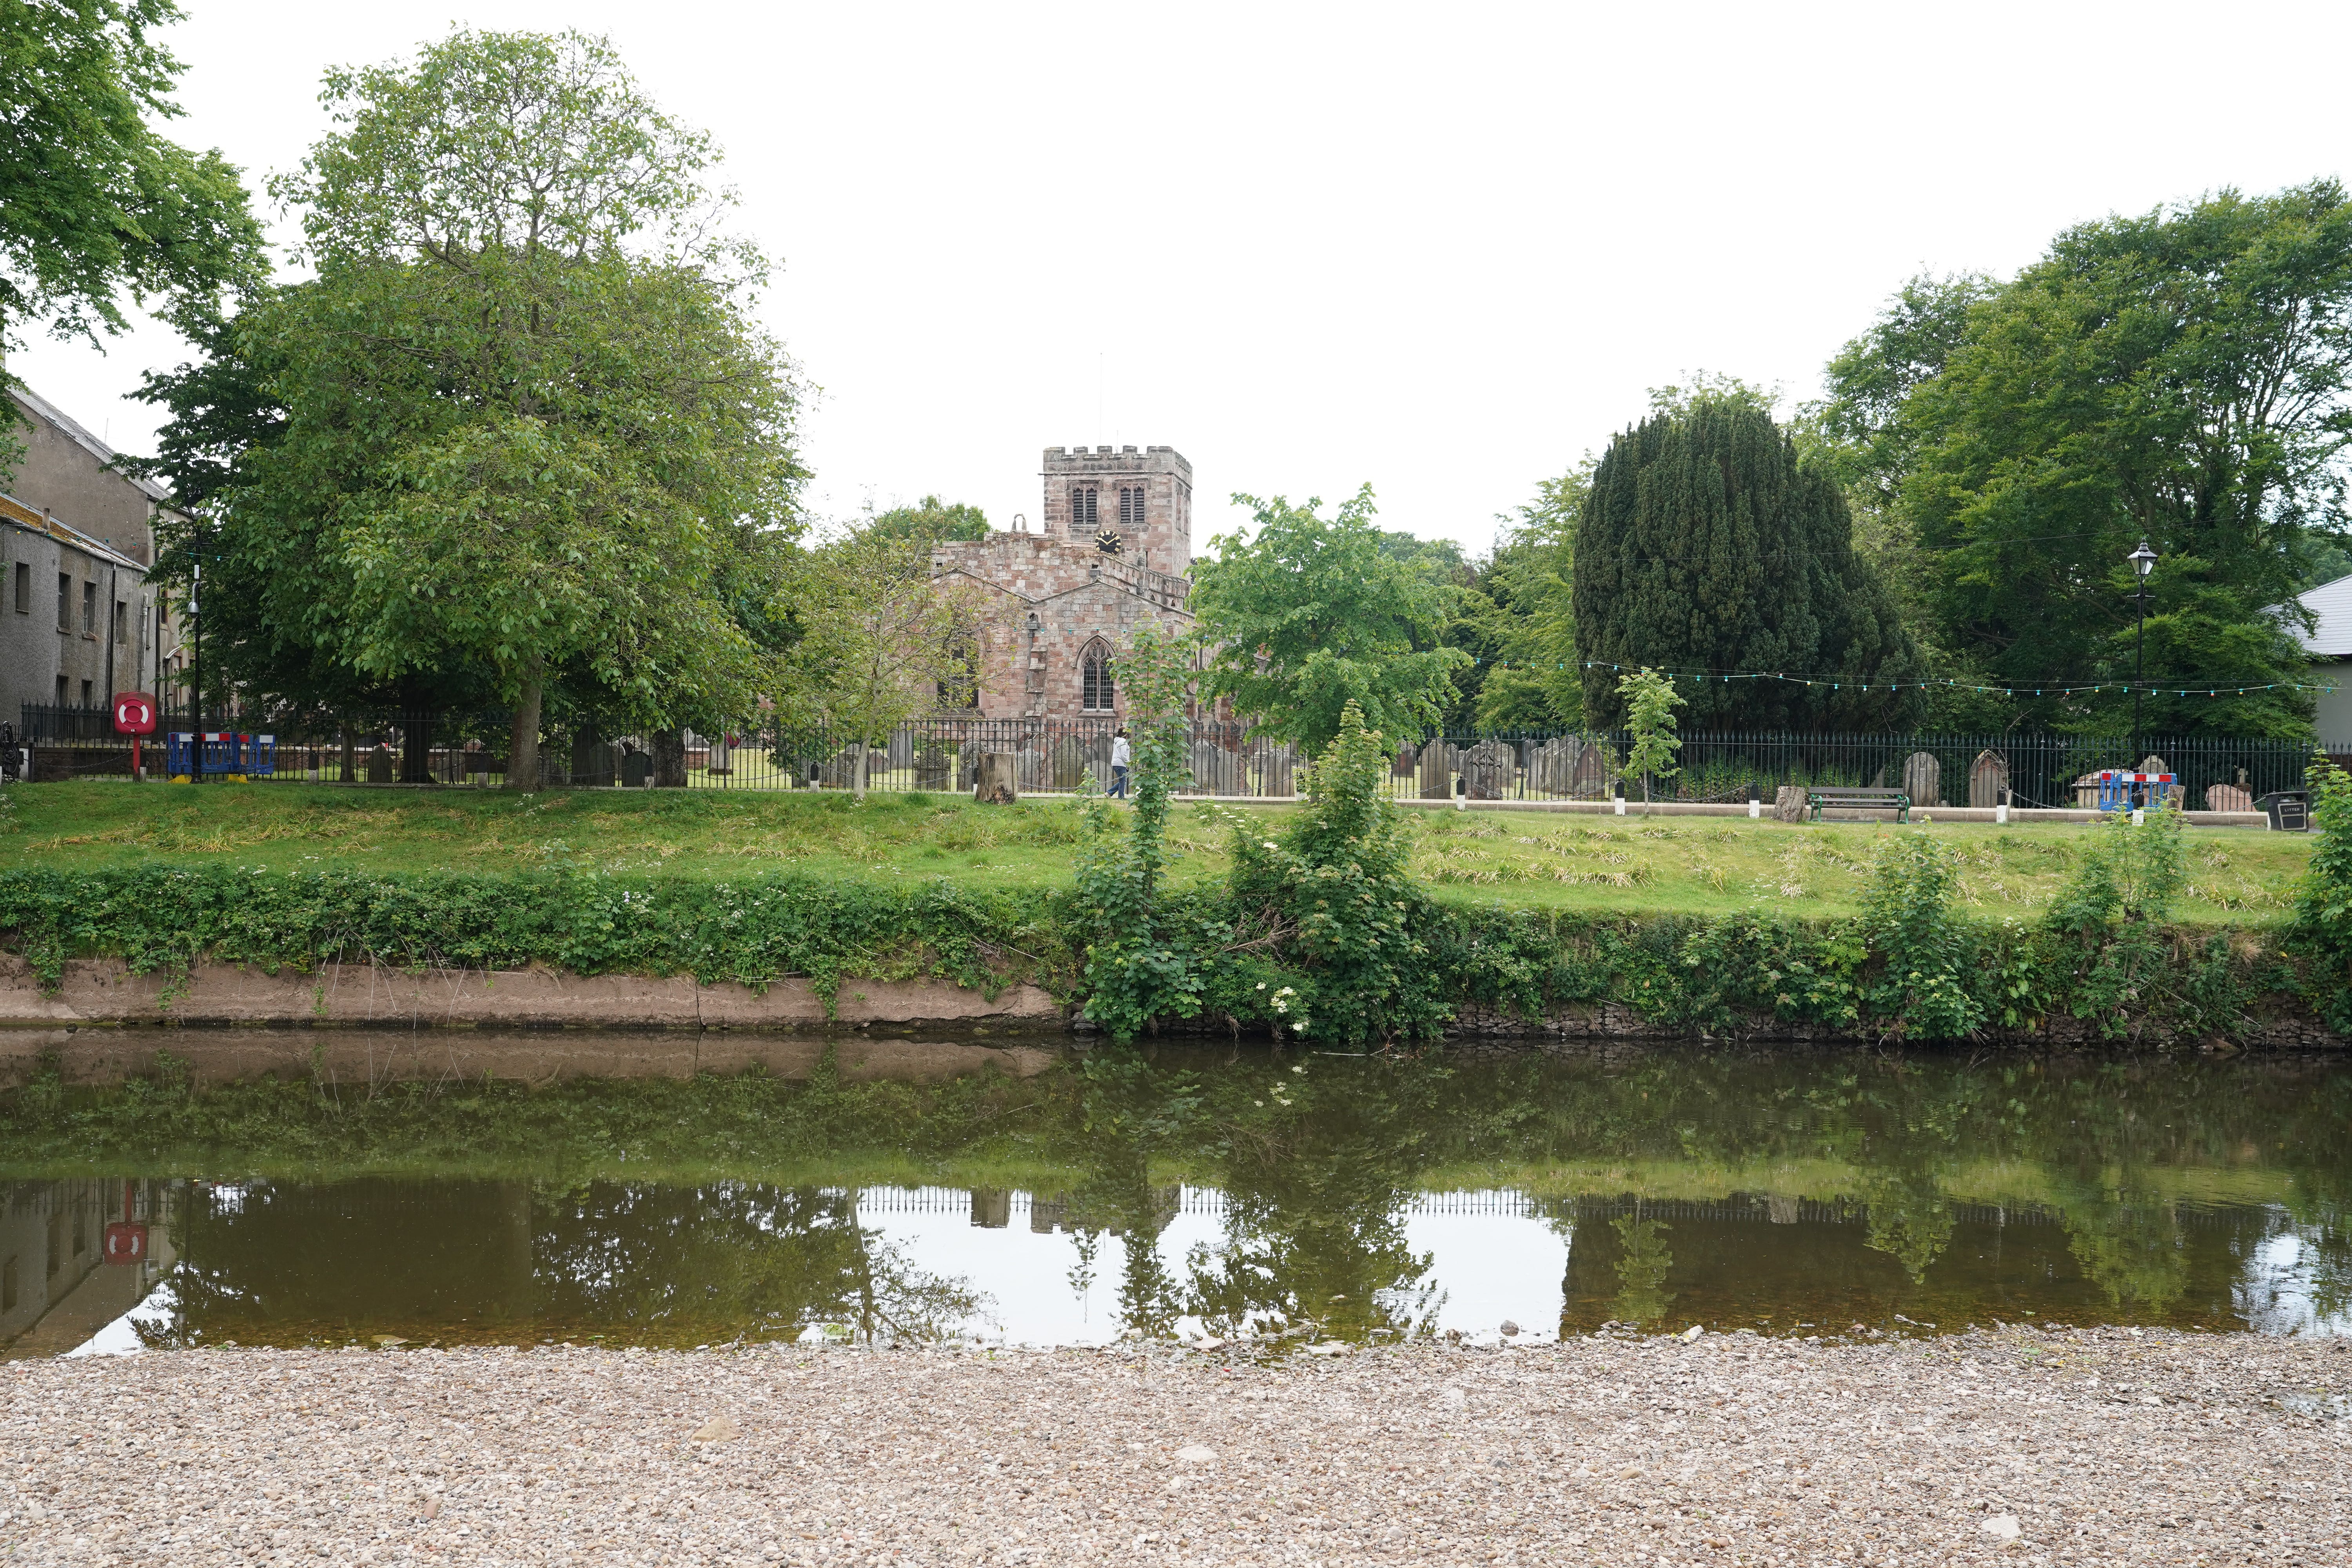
(1643, 1265)
(1909, 1220)
(1317, 1185)
(2130, 1243)
(731, 1257)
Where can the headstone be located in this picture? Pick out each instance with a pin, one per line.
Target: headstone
(2228, 797)
(1065, 761)
(1031, 763)
(1552, 769)
(1922, 779)
(1276, 775)
(1594, 767)
(1406, 758)
(840, 770)
(2086, 792)
(902, 749)
(636, 768)
(1205, 760)
(1437, 771)
(2153, 765)
(1789, 803)
(1988, 776)
(379, 765)
(1488, 771)
(933, 766)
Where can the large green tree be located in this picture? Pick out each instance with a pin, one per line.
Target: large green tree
(94, 204)
(1309, 614)
(2178, 376)
(1706, 548)
(520, 430)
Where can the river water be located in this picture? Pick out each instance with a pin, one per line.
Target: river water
(1238, 1192)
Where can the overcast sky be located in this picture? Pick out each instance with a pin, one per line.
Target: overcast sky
(1442, 249)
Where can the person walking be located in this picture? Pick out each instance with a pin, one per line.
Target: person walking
(1120, 757)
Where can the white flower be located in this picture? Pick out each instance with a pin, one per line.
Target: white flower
(1270, 844)
(1261, 984)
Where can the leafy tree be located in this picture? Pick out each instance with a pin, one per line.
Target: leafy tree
(1135, 973)
(932, 521)
(1650, 702)
(93, 203)
(1706, 547)
(1528, 622)
(881, 640)
(1338, 878)
(1311, 614)
(530, 435)
(2178, 376)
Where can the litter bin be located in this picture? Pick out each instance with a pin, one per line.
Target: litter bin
(2288, 809)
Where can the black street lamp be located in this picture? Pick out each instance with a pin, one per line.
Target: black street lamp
(2143, 561)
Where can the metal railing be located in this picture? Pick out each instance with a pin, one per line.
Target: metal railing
(1228, 759)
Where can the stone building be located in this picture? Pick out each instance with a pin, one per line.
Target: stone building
(77, 619)
(1111, 554)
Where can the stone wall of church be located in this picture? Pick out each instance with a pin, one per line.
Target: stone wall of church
(1046, 602)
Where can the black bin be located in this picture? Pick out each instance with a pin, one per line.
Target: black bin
(2289, 810)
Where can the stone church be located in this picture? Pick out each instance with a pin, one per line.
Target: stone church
(1111, 554)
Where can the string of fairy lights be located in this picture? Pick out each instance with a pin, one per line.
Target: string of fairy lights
(2053, 689)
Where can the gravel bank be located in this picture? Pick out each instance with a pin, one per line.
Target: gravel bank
(2078, 1447)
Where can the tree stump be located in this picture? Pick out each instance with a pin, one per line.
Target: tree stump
(999, 779)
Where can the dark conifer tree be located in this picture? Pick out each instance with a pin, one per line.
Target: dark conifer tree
(1705, 545)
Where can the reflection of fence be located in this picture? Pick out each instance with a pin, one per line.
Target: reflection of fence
(1059, 756)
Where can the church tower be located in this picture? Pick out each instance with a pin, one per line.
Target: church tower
(1136, 506)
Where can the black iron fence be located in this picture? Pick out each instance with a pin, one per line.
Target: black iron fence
(1221, 758)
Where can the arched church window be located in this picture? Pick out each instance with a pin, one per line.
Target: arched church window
(1084, 516)
(1094, 690)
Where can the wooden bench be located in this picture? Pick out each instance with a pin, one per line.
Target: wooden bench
(1897, 800)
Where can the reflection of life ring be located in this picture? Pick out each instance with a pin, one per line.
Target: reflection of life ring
(126, 1241)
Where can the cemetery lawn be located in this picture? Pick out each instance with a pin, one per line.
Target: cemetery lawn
(1637, 865)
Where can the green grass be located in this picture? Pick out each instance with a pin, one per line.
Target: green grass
(1523, 859)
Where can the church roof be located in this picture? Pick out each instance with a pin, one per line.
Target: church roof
(2330, 604)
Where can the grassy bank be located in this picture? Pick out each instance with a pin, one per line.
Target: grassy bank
(1517, 860)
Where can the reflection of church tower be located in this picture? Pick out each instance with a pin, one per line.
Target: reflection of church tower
(1139, 501)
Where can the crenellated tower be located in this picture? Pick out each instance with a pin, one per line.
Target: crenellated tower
(1141, 500)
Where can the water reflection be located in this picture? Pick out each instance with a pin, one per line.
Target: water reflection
(1364, 1200)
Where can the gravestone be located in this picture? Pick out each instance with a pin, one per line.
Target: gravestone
(1595, 766)
(1488, 770)
(1032, 762)
(2153, 765)
(933, 766)
(1203, 760)
(379, 764)
(1922, 779)
(1406, 758)
(2086, 792)
(636, 768)
(840, 770)
(1276, 775)
(901, 754)
(1065, 762)
(1553, 769)
(1789, 803)
(2228, 797)
(1988, 776)
(1437, 771)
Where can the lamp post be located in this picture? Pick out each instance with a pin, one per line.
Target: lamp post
(2143, 561)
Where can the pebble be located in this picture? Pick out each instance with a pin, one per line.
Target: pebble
(2019, 1446)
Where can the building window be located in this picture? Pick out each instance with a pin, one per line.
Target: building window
(121, 621)
(24, 588)
(86, 699)
(1083, 515)
(1094, 690)
(61, 690)
(65, 602)
(1130, 506)
(89, 608)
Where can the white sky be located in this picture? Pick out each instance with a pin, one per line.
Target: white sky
(1444, 249)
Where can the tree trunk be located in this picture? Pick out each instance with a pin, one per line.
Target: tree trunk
(669, 759)
(999, 779)
(522, 739)
(857, 768)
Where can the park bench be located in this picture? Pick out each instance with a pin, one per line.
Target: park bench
(1896, 800)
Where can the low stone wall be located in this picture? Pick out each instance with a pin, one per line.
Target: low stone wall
(105, 991)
